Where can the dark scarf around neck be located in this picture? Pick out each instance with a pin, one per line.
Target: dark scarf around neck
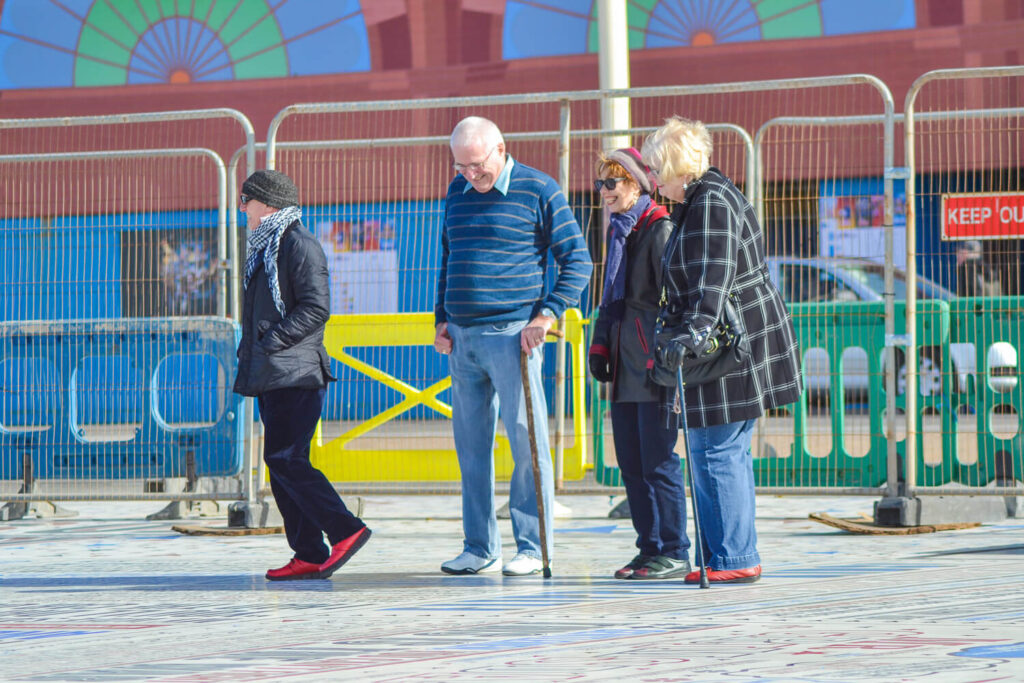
(619, 227)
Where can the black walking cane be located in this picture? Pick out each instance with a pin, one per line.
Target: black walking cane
(680, 406)
(541, 515)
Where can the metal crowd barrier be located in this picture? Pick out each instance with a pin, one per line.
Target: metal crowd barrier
(389, 446)
(120, 399)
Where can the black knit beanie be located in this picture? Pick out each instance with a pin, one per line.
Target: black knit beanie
(273, 188)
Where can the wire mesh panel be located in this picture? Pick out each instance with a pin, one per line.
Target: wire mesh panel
(831, 235)
(376, 205)
(220, 130)
(111, 368)
(966, 161)
(388, 167)
(823, 190)
(805, 162)
(111, 241)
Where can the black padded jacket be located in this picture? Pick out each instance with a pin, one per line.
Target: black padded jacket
(288, 352)
(628, 341)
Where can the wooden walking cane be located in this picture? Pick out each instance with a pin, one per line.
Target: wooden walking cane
(524, 360)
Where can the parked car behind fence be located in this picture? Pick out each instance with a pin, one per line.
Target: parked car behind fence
(832, 280)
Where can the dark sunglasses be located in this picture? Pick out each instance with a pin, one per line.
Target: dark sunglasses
(607, 183)
(243, 199)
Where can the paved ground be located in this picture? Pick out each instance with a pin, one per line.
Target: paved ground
(107, 596)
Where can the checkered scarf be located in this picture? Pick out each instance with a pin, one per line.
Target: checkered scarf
(264, 241)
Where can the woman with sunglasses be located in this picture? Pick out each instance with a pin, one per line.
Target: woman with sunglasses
(716, 254)
(621, 353)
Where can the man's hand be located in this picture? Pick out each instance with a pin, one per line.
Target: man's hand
(442, 340)
(535, 331)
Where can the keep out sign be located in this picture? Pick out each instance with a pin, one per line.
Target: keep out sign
(973, 216)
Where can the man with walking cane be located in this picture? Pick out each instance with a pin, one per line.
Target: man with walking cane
(501, 220)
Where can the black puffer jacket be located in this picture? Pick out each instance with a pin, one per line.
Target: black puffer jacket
(628, 342)
(276, 352)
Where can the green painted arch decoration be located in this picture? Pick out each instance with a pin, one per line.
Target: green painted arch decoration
(539, 28)
(88, 43)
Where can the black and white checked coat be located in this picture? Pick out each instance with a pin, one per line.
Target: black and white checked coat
(717, 247)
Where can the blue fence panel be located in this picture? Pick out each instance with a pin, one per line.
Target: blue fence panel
(120, 399)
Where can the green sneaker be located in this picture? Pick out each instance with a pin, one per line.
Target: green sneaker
(634, 564)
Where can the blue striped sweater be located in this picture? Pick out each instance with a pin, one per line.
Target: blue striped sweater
(494, 251)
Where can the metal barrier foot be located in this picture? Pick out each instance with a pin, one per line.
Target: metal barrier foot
(229, 487)
(256, 515)
(183, 509)
(928, 510)
(621, 510)
(41, 509)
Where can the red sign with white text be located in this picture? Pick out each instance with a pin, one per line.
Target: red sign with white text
(974, 216)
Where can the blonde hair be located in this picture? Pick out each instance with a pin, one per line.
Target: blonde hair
(679, 148)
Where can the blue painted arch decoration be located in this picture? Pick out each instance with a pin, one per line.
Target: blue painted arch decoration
(83, 43)
(544, 28)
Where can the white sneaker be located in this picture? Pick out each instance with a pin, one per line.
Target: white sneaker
(468, 563)
(522, 565)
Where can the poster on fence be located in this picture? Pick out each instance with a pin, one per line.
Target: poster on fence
(168, 272)
(363, 264)
(851, 220)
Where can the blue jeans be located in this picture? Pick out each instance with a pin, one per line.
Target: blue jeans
(723, 486)
(653, 477)
(486, 381)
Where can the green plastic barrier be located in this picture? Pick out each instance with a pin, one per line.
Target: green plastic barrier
(836, 327)
(984, 321)
(605, 474)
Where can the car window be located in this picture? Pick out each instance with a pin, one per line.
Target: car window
(802, 283)
(874, 277)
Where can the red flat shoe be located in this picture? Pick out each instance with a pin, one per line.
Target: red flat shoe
(343, 550)
(748, 575)
(295, 569)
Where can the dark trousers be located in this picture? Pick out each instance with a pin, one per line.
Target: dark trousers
(308, 503)
(653, 477)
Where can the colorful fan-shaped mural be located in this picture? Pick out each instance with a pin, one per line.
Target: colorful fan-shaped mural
(66, 43)
(540, 28)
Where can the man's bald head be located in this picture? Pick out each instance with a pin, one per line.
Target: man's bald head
(479, 152)
(475, 130)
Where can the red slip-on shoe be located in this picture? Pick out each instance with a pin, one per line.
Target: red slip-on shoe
(295, 569)
(343, 550)
(748, 575)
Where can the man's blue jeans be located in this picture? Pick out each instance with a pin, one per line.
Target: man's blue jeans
(724, 490)
(486, 380)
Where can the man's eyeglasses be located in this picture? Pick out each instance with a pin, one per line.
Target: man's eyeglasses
(475, 167)
(243, 199)
(607, 183)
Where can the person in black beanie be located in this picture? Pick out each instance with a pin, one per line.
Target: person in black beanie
(283, 363)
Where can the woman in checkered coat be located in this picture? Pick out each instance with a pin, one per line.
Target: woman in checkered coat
(716, 252)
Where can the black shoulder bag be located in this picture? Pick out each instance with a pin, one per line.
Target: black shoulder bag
(727, 351)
